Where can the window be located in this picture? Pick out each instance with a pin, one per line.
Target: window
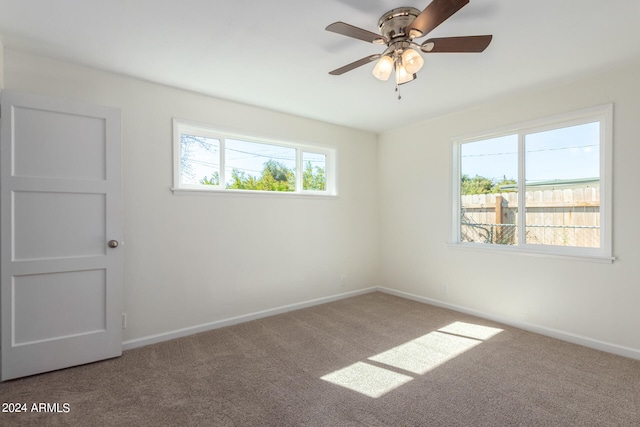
(540, 187)
(210, 160)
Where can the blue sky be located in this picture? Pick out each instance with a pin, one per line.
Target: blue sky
(566, 153)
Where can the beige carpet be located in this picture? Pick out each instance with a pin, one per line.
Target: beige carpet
(371, 360)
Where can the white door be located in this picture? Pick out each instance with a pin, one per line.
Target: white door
(60, 206)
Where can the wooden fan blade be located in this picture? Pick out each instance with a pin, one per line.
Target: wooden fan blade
(355, 64)
(456, 44)
(433, 15)
(355, 32)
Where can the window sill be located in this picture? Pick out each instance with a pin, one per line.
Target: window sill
(250, 193)
(480, 247)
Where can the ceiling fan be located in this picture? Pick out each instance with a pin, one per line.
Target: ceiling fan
(398, 29)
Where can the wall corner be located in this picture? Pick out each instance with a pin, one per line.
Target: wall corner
(1, 65)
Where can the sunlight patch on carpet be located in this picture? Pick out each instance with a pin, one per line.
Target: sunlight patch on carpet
(416, 357)
(470, 330)
(367, 379)
(421, 355)
(427, 352)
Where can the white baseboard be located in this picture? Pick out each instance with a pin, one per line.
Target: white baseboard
(565, 336)
(166, 336)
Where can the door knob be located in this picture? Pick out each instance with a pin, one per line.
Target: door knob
(113, 244)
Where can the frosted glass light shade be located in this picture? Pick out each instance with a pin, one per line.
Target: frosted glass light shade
(412, 61)
(402, 76)
(383, 68)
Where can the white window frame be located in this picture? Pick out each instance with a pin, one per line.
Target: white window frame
(602, 114)
(187, 127)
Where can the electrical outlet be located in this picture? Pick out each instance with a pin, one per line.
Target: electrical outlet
(444, 289)
(343, 281)
(124, 320)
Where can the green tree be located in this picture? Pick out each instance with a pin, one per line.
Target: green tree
(313, 178)
(241, 181)
(214, 180)
(481, 185)
(498, 185)
(275, 177)
(475, 185)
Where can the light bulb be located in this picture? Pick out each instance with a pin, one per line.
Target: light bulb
(383, 68)
(402, 76)
(412, 61)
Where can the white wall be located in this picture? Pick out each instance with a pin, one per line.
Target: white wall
(598, 302)
(193, 260)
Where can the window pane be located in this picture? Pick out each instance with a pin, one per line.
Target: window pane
(314, 171)
(563, 186)
(199, 160)
(488, 190)
(262, 167)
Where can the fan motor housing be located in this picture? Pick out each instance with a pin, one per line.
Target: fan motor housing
(394, 23)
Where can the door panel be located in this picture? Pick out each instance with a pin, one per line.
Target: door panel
(45, 305)
(54, 144)
(53, 224)
(60, 204)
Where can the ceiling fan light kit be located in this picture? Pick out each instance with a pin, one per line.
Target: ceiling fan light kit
(412, 61)
(397, 29)
(384, 68)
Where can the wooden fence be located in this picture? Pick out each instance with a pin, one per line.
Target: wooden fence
(565, 217)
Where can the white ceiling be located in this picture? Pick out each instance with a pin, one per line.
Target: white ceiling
(276, 54)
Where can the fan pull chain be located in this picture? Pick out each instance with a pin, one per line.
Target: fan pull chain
(398, 91)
